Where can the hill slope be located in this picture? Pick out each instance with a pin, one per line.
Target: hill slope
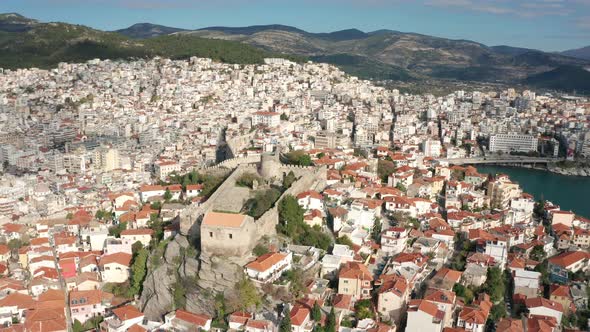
(580, 53)
(564, 78)
(382, 54)
(147, 30)
(415, 53)
(44, 45)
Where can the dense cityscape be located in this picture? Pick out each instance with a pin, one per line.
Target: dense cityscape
(187, 195)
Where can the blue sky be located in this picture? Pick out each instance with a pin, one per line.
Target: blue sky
(550, 25)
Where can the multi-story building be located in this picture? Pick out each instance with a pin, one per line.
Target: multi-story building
(513, 142)
(268, 119)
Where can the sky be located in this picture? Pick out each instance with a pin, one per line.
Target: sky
(549, 25)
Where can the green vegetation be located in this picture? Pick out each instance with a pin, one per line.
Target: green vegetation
(538, 253)
(563, 78)
(260, 250)
(45, 45)
(220, 310)
(291, 224)
(384, 169)
(364, 309)
(288, 180)
(376, 231)
(316, 312)
(262, 202)
(460, 258)
(365, 68)
(498, 311)
(117, 229)
(138, 271)
(344, 240)
(299, 158)
(466, 293)
(90, 324)
(297, 282)
(495, 284)
(167, 195)
(330, 322)
(117, 289)
(285, 325)
(247, 180)
(210, 182)
(248, 295)
(103, 215)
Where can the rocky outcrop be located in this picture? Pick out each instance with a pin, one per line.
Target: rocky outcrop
(220, 274)
(177, 264)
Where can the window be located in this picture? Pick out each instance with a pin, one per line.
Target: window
(210, 234)
(231, 236)
(345, 281)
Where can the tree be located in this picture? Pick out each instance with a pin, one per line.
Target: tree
(331, 321)
(15, 244)
(495, 285)
(364, 309)
(376, 231)
(291, 224)
(345, 240)
(464, 292)
(117, 229)
(220, 310)
(103, 215)
(290, 216)
(538, 253)
(69, 216)
(316, 312)
(77, 326)
(285, 325)
(498, 311)
(384, 169)
(138, 271)
(260, 250)
(289, 179)
(297, 284)
(156, 205)
(167, 195)
(248, 294)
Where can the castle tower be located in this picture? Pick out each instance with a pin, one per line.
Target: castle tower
(270, 166)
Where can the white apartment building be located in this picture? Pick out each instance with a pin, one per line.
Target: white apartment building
(269, 119)
(431, 148)
(513, 142)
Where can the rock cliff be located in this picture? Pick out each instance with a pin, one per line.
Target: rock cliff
(176, 266)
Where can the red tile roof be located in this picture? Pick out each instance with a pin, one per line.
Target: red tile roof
(266, 261)
(121, 258)
(197, 319)
(127, 312)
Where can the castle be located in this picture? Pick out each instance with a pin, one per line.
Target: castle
(224, 236)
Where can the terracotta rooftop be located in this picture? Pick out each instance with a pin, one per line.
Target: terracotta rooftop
(127, 312)
(222, 219)
(196, 319)
(266, 261)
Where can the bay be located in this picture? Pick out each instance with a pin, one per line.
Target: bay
(569, 192)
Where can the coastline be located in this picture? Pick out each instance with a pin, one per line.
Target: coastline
(572, 171)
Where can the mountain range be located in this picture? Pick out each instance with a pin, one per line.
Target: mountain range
(382, 54)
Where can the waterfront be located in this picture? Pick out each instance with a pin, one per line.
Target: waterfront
(569, 192)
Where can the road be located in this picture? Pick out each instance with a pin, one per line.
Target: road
(501, 160)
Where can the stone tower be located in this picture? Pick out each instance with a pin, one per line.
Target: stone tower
(270, 165)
